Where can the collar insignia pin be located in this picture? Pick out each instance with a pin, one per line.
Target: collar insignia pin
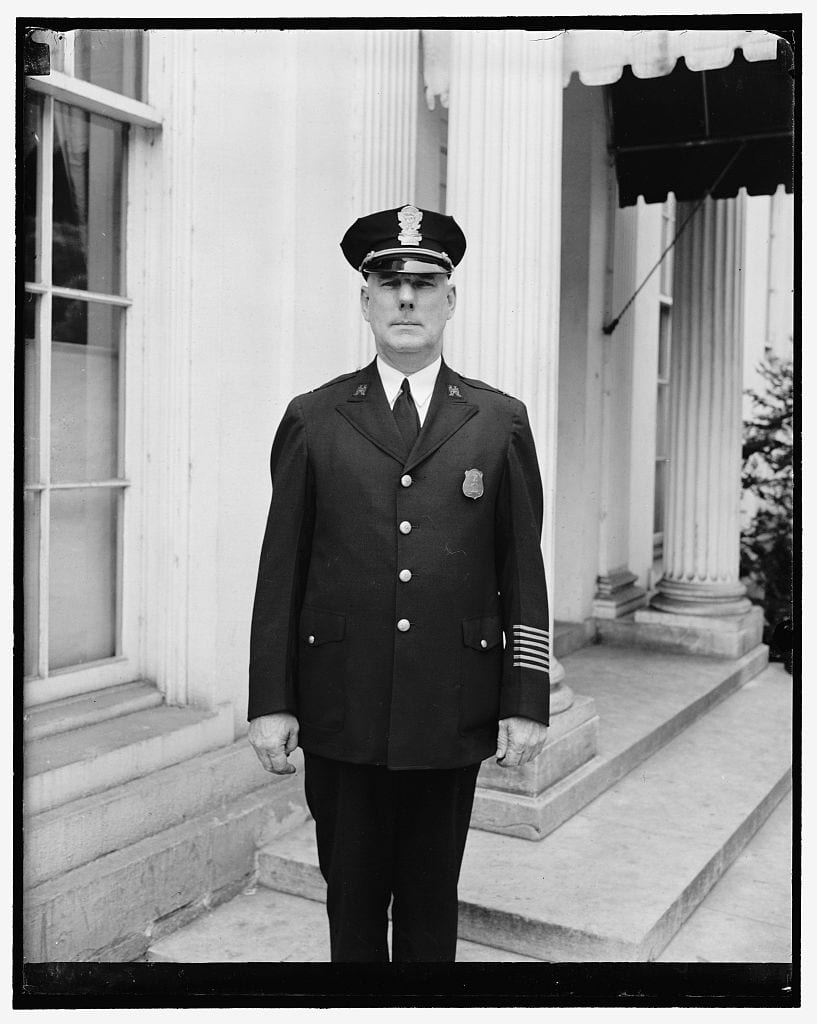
(360, 391)
(472, 485)
(409, 218)
(454, 391)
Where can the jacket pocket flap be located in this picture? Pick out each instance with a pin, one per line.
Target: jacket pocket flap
(318, 627)
(483, 632)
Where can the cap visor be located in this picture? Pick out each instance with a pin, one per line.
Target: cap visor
(405, 265)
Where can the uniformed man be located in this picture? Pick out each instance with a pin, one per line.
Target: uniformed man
(400, 628)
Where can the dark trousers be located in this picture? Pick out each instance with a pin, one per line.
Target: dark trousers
(396, 835)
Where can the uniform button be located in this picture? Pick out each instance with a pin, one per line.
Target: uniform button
(406, 480)
(483, 644)
(404, 625)
(405, 526)
(405, 575)
(310, 640)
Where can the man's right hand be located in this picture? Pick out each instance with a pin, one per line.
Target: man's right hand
(274, 737)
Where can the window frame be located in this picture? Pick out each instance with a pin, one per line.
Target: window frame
(127, 663)
(665, 300)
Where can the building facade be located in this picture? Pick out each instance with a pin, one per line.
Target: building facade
(185, 193)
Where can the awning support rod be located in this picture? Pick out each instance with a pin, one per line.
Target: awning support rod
(610, 327)
(695, 143)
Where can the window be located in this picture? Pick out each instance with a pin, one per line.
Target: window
(111, 58)
(662, 398)
(76, 486)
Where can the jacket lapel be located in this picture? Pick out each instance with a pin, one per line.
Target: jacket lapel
(367, 409)
(448, 411)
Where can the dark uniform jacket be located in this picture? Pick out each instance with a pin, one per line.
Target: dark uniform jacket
(384, 591)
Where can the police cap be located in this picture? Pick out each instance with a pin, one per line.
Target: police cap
(405, 240)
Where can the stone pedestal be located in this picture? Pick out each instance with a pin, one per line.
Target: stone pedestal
(724, 636)
(572, 740)
(617, 595)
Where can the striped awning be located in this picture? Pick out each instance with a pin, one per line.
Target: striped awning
(693, 113)
(599, 56)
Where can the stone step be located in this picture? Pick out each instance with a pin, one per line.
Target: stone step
(263, 926)
(747, 916)
(69, 765)
(66, 837)
(642, 699)
(88, 709)
(112, 908)
(616, 881)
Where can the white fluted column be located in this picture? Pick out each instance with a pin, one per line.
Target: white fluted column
(168, 381)
(389, 141)
(504, 188)
(702, 529)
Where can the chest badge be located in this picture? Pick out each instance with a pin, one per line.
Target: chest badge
(472, 484)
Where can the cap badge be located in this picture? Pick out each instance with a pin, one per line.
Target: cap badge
(454, 391)
(409, 218)
(472, 485)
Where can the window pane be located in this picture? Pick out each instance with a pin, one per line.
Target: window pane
(32, 130)
(661, 421)
(82, 576)
(660, 487)
(84, 391)
(666, 271)
(664, 324)
(31, 409)
(111, 58)
(88, 162)
(31, 581)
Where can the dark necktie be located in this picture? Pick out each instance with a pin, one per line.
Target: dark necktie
(405, 412)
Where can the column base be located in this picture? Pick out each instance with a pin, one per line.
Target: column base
(682, 598)
(572, 740)
(561, 696)
(617, 595)
(725, 636)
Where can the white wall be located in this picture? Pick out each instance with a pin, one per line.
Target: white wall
(581, 350)
(276, 142)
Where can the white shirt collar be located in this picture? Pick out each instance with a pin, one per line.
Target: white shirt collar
(421, 383)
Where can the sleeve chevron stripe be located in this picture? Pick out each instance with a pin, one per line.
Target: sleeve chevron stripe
(531, 648)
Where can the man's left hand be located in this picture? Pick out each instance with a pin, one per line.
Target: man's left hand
(520, 741)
